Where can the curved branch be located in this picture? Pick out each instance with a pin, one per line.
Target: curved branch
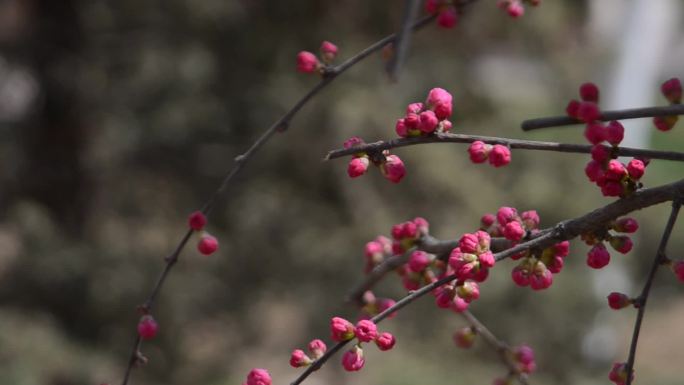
(643, 297)
(632, 113)
(512, 143)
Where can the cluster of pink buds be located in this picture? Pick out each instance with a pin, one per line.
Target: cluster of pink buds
(424, 119)
(613, 177)
(298, 358)
(515, 8)
(447, 14)
(672, 90)
(472, 259)
(509, 224)
(391, 166)
(374, 306)
(258, 376)
(405, 235)
(498, 155)
(536, 267)
(598, 256)
(457, 296)
(207, 243)
(308, 63)
(342, 330)
(619, 373)
(147, 327)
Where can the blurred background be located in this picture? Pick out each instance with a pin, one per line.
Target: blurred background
(117, 119)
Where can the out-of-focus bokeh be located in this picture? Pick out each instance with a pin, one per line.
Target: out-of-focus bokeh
(119, 118)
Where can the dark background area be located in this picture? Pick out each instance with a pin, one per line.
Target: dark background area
(117, 119)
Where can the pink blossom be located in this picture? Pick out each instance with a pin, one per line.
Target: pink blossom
(307, 62)
(521, 275)
(562, 248)
(444, 298)
(598, 256)
(147, 327)
(428, 122)
(418, 261)
(525, 357)
(573, 108)
(412, 120)
(328, 51)
(506, 214)
(589, 92)
(665, 123)
(409, 230)
(615, 170)
(385, 341)
(400, 128)
(469, 243)
(414, 108)
(366, 330)
(541, 279)
(626, 225)
(384, 304)
(479, 151)
(197, 220)
(513, 231)
(636, 169)
(600, 153)
(465, 338)
(618, 374)
(595, 132)
(555, 264)
(341, 329)
(486, 259)
(393, 168)
(357, 167)
(445, 124)
(621, 243)
(618, 301)
(672, 89)
(483, 239)
(298, 359)
(258, 376)
(515, 9)
(422, 225)
(447, 18)
(317, 348)
(373, 250)
(459, 305)
(612, 189)
(588, 112)
(499, 156)
(437, 96)
(593, 170)
(615, 132)
(207, 245)
(469, 291)
(353, 360)
(487, 220)
(530, 219)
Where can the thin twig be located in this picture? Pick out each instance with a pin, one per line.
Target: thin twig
(501, 347)
(512, 143)
(632, 113)
(565, 230)
(241, 160)
(403, 39)
(643, 297)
